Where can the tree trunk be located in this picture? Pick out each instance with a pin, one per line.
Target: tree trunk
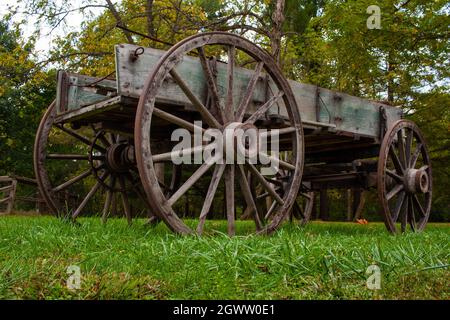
(149, 13)
(390, 84)
(277, 20)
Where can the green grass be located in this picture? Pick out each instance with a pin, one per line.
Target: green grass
(320, 261)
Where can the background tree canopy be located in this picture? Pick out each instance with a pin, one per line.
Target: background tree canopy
(326, 43)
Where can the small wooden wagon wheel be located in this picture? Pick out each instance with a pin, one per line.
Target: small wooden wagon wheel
(404, 178)
(68, 161)
(303, 205)
(228, 114)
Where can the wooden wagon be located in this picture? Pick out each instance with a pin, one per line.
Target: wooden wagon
(114, 139)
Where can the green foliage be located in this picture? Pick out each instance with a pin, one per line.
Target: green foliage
(432, 115)
(24, 93)
(409, 52)
(405, 63)
(321, 261)
(91, 51)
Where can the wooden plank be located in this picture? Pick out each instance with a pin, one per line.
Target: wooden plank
(6, 189)
(4, 200)
(340, 112)
(25, 180)
(353, 114)
(229, 198)
(91, 110)
(75, 91)
(8, 192)
(132, 74)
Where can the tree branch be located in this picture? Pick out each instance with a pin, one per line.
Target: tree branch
(119, 21)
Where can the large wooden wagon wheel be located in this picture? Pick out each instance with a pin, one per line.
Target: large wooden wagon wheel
(86, 169)
(404, 178)
(229, 115)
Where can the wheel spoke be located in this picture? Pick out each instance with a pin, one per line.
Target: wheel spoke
(397, 164)
(189, 182)
(141, 194)
(404, 218)
(217, 175)
(271, 210)
(64, 156)
(282, 164)
(229, 110)
(412, 218)
(70, 182)
(264, 183)
(394, 191)
(264, 108)
(248, 96)
(401, 148)
(114, 204)
(90, 194)
(167, 156)
(418, 206)
(408, 144)
(109, 196)
(176, 120)
(398, 206)
(247, 193)
(229, 195)
(301, 214)
(265, 194)
(125, 202)
(415, 155)
(80, 137)
(134, 186)
(211, 83)
(209, 118)
(394, 175)
(103, 139)
(112, 138)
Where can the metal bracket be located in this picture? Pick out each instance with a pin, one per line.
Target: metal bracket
(317, 104)
(383, 122)
(134, 54)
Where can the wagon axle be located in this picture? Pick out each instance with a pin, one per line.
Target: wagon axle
(120, 157)
(416, 181)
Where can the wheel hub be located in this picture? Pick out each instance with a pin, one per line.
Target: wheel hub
(416, 181)
(120, 157)
(240, 140)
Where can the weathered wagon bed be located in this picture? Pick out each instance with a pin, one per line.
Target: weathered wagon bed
(330, 138)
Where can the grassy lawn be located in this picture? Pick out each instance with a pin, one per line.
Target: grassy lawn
(319, 261)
